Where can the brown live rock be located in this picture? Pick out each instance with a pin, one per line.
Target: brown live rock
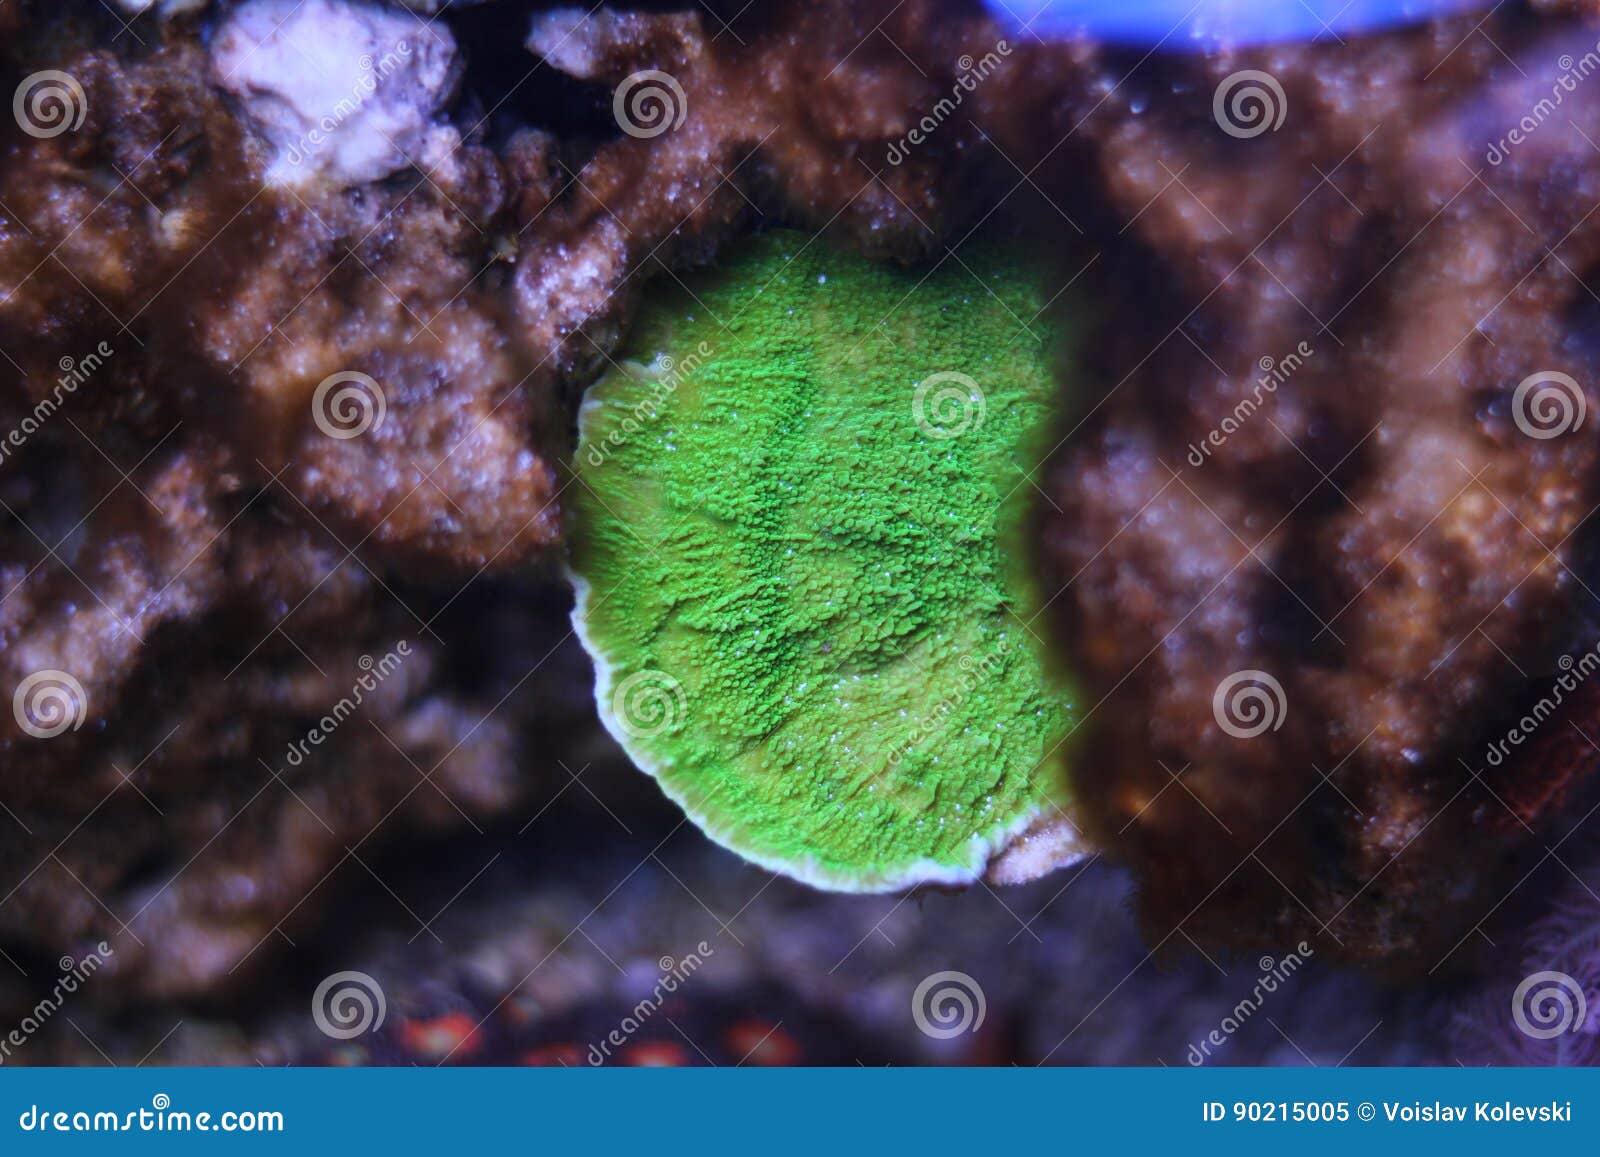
(212, 566)
(1376, 534)
(184, 537)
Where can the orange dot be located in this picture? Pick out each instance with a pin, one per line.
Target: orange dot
(454, 1035)
(552, 1056)
(657, 1054)
(759, 1042)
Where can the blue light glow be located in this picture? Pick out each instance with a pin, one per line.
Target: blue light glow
(1192, 24)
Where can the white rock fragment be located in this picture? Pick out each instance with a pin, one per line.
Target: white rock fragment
(561, 37)
(599, 44)
(344, 92)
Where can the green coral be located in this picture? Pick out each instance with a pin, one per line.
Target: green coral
(795, 521)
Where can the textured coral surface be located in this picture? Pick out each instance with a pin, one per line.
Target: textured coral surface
(802, 587)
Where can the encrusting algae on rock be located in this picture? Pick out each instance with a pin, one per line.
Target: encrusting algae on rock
(795, 524)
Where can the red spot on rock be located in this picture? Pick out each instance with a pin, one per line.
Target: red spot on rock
(760, 1042)
(523, 1008)
(656, 1054)
(348, 1057)
(552, 1056)
(454, 1036)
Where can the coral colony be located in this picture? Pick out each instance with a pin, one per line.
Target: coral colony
(797, 565)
